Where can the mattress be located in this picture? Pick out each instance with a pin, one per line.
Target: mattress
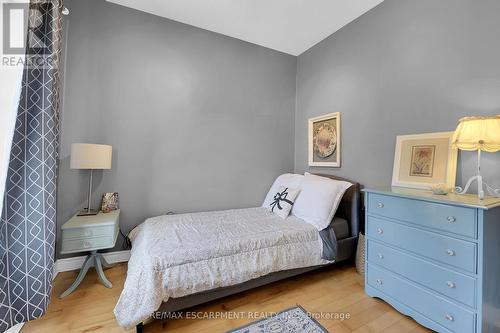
(340, 227)
(177, 255)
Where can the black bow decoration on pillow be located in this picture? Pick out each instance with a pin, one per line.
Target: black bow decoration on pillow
(280, 197)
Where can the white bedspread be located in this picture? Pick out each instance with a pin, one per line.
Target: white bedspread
(178, 255)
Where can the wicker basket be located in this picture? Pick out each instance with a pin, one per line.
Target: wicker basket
(360, 255)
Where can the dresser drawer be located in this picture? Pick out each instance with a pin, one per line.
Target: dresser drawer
(436, 308)
(457, 286)
(447, 218)
(79, 233)
(448, 250)
(79, 245)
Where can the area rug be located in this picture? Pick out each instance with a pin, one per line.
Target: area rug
(293, 320)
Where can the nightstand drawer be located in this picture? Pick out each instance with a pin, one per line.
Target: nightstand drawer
(438, 309)
(448, 250)
(448, 218)
(455, 285)
(79, 233)
(89, 244)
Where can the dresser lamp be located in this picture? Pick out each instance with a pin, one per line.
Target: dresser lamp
(90, 157)
(481, 134)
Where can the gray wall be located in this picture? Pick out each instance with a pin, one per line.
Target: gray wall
(404, 67)
(198, 121)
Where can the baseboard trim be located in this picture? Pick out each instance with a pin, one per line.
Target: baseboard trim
(74, 263)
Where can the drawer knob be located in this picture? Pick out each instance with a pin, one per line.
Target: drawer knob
(450, 284)
(379, 282)
(380, 256)
(449, 317)
(451, 219)
(380, 231)
(451, 253)
(380, 205)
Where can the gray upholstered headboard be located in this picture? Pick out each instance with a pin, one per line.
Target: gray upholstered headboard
(350, 205)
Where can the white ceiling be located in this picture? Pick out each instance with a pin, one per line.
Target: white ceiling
(290, 26)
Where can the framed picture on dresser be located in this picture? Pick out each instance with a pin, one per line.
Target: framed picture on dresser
(324, 140)
(424, 160)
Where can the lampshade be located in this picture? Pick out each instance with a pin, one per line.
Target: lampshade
(90, 156)
(478, 133)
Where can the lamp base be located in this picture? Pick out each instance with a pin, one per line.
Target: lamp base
(86, 212)
(480, 183)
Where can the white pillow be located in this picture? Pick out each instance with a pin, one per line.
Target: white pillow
(283, 201)
(319, 199)
(289, 180)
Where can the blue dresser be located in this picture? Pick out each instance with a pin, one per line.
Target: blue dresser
(435, 258)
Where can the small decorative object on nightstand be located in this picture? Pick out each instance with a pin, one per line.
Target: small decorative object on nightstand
(90, 233)
(109, 202)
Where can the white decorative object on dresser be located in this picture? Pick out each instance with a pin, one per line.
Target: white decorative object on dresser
(435, 257)
(90, 233)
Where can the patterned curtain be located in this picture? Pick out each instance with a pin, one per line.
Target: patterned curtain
(28, 217)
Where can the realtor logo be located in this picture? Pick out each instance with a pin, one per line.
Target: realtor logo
(26, 30)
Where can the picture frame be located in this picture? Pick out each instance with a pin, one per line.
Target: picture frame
(324, 140)
(109, 202)
(424, 160)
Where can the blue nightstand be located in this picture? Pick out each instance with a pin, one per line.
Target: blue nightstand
(90, 233)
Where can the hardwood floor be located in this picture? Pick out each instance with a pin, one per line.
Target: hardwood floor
(331, 290)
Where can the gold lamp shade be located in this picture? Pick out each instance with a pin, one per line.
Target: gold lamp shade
(478, 133)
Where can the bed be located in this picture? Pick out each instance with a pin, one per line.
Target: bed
(210, 255)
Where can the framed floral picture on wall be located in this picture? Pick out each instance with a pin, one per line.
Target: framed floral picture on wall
(324, 140)
(424, 160)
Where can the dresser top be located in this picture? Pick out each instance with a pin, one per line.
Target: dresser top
(101, 219)
(467, 200)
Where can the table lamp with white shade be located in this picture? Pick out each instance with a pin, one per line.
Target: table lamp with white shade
(481, 134)
(91, 157)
